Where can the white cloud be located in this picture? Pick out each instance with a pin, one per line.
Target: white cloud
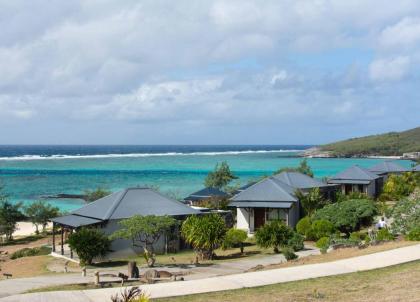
(389, 69)
(404, 34)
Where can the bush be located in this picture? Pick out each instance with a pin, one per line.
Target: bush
(384, 235)
(406, 214)
(288, 253)
(235, 238)
(273, 234)
(323, 244)
(414, 234)
(348, 215)
(304, 226)
(296, 242)
(205, 233)
(322, 228)
(28, 252)
(357, 236)
(88, 244)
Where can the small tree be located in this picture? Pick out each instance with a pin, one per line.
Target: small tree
(39, 213)
(205, 233)
(144, 232)
(99, 193)
(302, 168)
(322, 228)
(88, 244)
(311, 201)
(10, 214)
(274, 234)
(220, 177)
(235, 238)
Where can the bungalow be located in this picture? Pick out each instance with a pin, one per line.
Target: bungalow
(384, 169)
(358, 179)
(205, 194)
(268, 199)
(105, 213)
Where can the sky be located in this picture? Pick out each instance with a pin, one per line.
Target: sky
(207, 72)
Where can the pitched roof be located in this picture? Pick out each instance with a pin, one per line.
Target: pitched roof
(387, 167)
(133, 201)
(417, 168)
(299, 180)
(206, 193)
(267, 190)
(354, 174)
(75, 221)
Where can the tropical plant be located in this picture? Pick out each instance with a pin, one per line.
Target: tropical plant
(39, 213)
(406, 214)
(348, 215)
(384, 235)
(398, 186)
(205, 234)
(311, 201)
(220, 177)
(89, 244)
(99, 193)
(274, 234)
(304, 227)
(145, 232)
(323, 244)
(235, 238)
(322, 228)
(130, 294)
(288, 253)
(414, 234)
(296, 242)
(302, 168)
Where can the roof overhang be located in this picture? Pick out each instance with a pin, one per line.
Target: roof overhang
(261, 204)
(75, 221)
(350, 181)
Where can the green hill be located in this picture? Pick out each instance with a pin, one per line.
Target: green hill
(392, 143)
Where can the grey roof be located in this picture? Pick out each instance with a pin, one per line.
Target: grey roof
(268, 190)
(75, 220)
(134, 201)
(299, 180)
(387, 167)
(354, 174)
(417, 168)
(207, 193)
(261, 204)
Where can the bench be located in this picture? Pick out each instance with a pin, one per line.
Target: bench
(7, 275)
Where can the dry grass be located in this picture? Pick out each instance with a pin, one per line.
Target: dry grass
(395, 283)
(26, 266)
(344, 253)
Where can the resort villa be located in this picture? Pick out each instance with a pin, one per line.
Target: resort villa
(205, 194)
(358, 179)
(105, 213)
(274, 198)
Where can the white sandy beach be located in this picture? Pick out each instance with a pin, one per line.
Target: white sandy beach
(27, 228)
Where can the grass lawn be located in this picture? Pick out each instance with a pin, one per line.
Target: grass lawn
(395, 283)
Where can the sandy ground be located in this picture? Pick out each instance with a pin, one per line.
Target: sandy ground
(27, 228)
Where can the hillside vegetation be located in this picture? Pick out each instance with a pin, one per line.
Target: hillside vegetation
(392, 143)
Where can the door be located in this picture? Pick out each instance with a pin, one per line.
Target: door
(259, 217)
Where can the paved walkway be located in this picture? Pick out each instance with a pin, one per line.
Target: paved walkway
(20, 285)
(237, 281)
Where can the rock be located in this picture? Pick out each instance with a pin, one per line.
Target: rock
(150, 275)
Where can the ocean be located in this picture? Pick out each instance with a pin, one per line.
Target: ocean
(29, 173)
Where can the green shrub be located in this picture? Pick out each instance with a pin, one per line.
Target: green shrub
(235, 238)
(414, 234)
(288, 253)
(88, 244)
(357, 236)
(304, 225)
(384, 235)
(274, 234)
(322, 228)
(406, 213)
(296, 242)
(348, 215)
(28, 252)
(323, 244)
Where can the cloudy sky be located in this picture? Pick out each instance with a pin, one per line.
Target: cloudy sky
(203, 72)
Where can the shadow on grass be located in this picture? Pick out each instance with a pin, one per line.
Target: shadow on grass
(23, 240)
(109, 264)
(237, 255)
